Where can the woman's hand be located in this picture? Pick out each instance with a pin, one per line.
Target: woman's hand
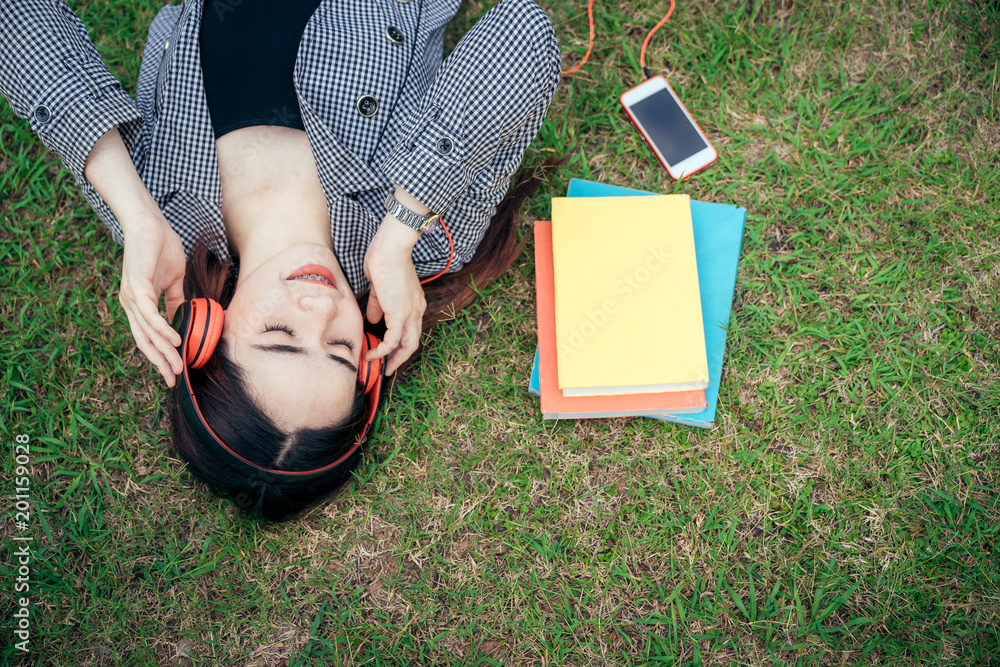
(395, 293)
(154, 257)
(153, 264)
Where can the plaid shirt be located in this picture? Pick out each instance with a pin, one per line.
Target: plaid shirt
(451, 134)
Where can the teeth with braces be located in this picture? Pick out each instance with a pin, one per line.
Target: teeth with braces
(313, 276)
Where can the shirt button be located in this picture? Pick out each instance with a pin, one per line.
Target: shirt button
(444, 146)
(394, 34)
(166, 45)
(367, 106)
(403, 2)
(42, 114)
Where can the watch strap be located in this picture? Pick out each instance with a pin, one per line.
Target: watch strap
(421, 223)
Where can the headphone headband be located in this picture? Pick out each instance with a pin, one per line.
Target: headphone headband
(199, 322)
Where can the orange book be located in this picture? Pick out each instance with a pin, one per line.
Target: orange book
(556, 405)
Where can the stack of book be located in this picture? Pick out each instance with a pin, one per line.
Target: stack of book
(633, 296)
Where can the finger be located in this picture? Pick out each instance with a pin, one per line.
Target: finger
(147, 344)
(388, 344)
(396, 360)
(391, 364)
(159, 332)
(167, 350)
(374, 310)
(149, 350)
(146, 306)
(407, 346)
(174, 297)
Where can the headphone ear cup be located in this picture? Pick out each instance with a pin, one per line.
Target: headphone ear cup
(204, 332)
(369, 371)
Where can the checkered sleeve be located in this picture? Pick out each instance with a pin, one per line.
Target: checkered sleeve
(52, 76)
(486, 103)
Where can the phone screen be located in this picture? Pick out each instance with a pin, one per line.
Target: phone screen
(667, 127)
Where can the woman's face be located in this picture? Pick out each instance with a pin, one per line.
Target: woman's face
(295, 328)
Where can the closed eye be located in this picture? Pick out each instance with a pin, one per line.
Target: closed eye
(285, 329)
(288, 349)
(343, 341)
(291, 349)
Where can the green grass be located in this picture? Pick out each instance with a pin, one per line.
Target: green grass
(843, 511)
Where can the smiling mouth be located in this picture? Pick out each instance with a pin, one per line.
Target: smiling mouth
(313, 277)
(314, 273)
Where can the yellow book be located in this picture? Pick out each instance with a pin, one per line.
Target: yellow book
(628, 307)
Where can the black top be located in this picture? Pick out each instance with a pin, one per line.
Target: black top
(248, 51)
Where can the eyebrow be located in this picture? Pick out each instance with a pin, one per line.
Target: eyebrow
(291, 349)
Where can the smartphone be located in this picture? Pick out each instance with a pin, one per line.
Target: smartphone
(668, 128)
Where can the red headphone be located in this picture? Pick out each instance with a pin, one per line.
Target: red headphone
(199, 322)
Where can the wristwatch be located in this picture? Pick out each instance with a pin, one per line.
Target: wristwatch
(420, 223)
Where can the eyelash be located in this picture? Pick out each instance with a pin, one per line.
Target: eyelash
(287, 330)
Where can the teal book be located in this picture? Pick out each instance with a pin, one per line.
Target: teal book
(534, 384)
(718, 239)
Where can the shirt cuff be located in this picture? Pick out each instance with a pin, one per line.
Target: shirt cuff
(78, 108)
(429, 162)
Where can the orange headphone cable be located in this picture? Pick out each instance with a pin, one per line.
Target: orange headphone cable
(645, 43)
(451, 254)
(642, 54)
(590, 45)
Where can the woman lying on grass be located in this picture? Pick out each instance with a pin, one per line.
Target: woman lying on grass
(285, 160)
